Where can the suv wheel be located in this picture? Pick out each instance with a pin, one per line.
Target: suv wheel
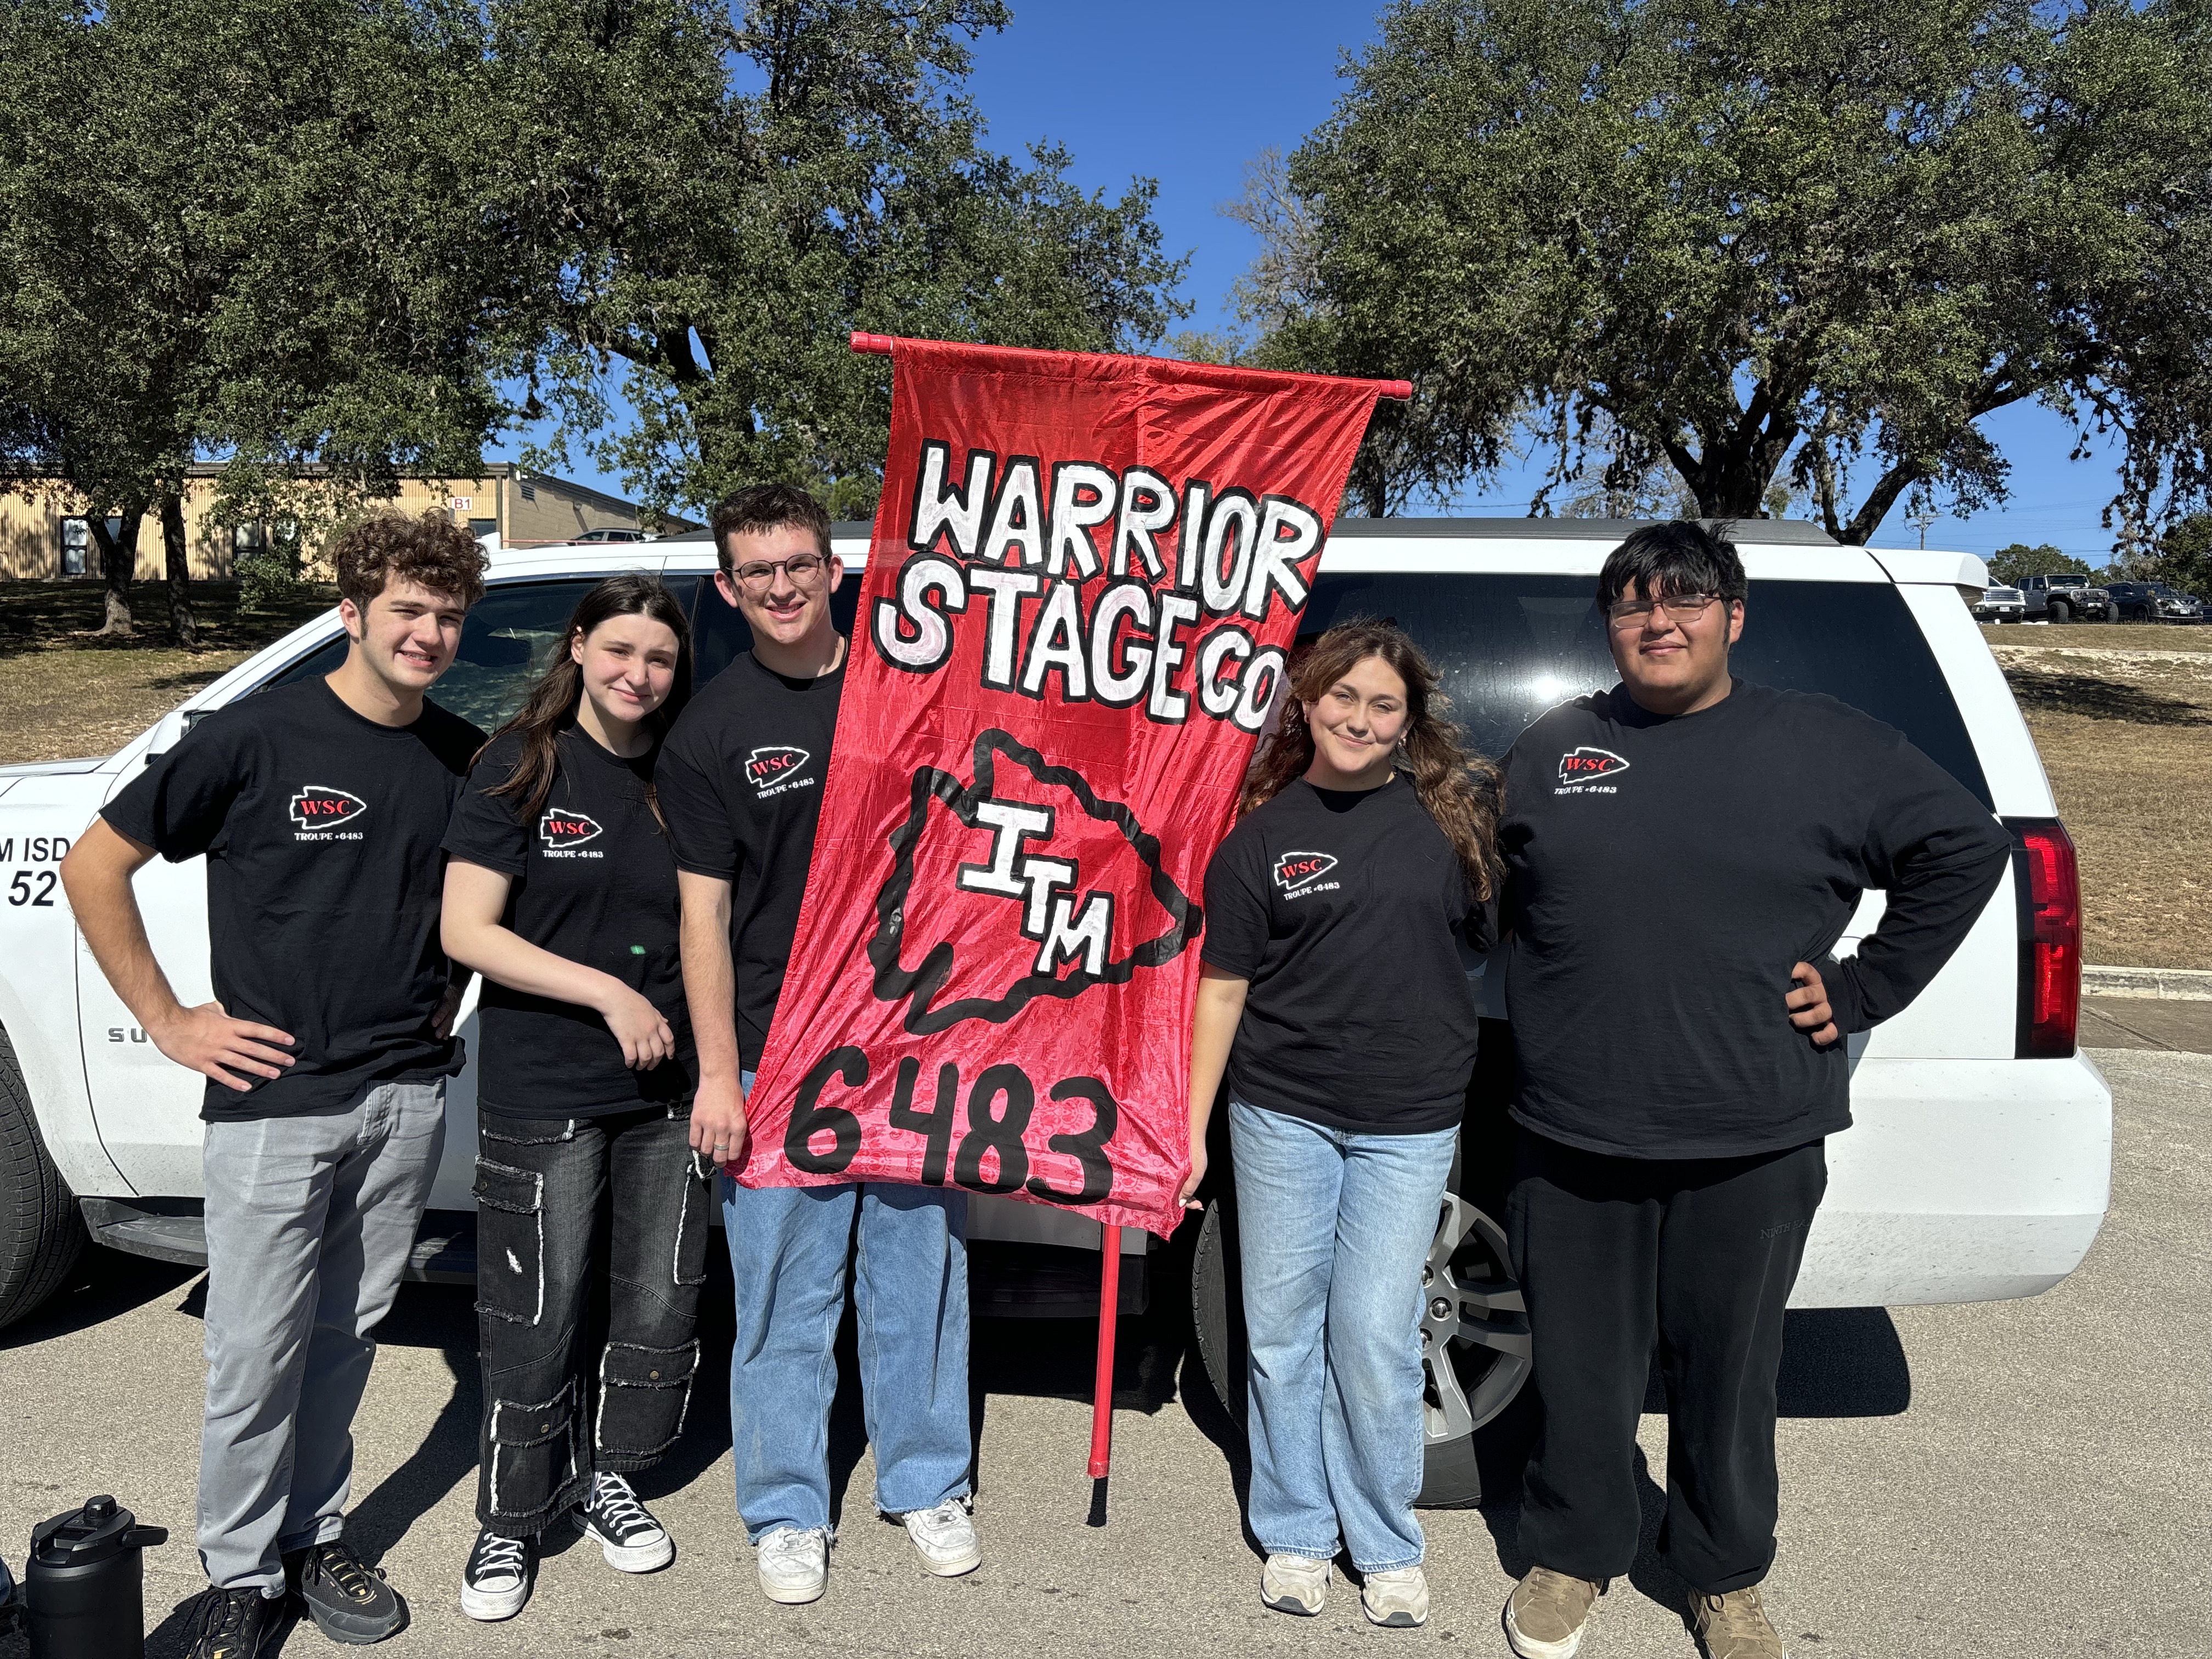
(41, 1230)
(1476, 1403)
(2061, 611)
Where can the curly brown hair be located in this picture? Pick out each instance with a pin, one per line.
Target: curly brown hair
(431, 552)
(1458, 787)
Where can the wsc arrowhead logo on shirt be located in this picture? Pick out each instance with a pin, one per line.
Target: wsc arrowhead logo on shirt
(1582, 763)
(1296, 869)
(1066, 877)
(318, 808)
(773, 765)
(562, 828)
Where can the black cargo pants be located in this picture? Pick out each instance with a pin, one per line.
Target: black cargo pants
(590, 1248)
(1697, 1255)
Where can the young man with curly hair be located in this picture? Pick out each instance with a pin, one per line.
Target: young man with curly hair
(320, 807)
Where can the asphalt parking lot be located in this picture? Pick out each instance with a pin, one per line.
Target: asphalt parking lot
(2010, 1478)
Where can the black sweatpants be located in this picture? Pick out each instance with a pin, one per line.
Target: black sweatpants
(1699, 1254)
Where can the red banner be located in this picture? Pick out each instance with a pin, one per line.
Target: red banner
(1085, 576)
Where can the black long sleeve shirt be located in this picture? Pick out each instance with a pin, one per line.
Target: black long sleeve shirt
(1664, 875)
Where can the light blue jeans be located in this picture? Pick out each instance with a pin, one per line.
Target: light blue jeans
(1335, 1227)
(787, 1250)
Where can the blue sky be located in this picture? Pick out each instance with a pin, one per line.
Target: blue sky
(1214, 82)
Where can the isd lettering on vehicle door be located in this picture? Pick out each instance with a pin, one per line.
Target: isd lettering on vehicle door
(1085, 576)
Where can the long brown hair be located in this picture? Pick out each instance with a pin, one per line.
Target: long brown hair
(553, 701)
(1458, 787)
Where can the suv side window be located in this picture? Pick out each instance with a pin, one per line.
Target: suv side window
(505, 644)
(1511, 646)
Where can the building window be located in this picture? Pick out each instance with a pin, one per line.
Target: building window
(76, 546)
(481, 528)
(246, 539)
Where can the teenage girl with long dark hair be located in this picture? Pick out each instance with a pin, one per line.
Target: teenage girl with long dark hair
(1333, 995)
(591, 1206)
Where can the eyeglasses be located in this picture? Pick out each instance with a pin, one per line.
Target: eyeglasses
(804, 569)
(1677, 607)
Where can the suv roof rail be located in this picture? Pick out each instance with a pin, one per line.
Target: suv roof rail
(1765, 532)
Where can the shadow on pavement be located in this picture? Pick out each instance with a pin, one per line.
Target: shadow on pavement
(103, 1284)
(1836, 1362)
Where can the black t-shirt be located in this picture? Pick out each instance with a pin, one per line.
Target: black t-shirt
(594, 881)
(321, 831)
(1346, 911)
(1664, 874)
(740, 783)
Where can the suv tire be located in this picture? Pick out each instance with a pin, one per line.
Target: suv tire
(1478, 1422)
(42, 1230)
(2061, 611)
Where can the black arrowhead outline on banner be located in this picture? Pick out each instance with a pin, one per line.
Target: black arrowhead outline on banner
(921, 986)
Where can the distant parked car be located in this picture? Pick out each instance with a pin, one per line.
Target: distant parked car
(2063, 598)
(2153, 602)
(613, 533)
(2000, 604)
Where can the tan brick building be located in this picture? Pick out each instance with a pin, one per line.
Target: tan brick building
(43, 536)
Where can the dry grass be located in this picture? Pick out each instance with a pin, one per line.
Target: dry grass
(2123, 716)
(66, 691)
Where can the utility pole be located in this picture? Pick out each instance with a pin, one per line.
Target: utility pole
(1920, 521)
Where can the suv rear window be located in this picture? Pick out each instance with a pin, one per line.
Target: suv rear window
(1511, 646)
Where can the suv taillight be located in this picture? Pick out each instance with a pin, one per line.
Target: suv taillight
(2049, 888)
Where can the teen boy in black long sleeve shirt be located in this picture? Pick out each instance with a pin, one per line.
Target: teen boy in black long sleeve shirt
(1684, 851)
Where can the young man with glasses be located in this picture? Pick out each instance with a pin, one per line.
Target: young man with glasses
(320, 807)
(1684, 851)
(740, 781)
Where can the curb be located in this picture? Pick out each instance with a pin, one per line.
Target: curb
(2187, 984)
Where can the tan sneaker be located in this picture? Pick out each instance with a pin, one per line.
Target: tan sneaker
(1733, 1626)
(1546, 1613)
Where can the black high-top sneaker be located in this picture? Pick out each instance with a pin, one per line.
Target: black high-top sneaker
(496, 1581)
(624, 1529)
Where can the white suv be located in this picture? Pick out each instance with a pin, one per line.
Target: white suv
(1978, 1167)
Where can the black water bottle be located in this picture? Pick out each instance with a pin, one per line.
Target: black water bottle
(84, 1586)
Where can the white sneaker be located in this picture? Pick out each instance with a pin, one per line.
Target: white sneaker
(1397, 1598)
(496, 1581)
(944, 1538)
(794, 1566)
(1295, 1583)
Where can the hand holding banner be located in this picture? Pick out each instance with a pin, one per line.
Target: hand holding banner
(1085, 576)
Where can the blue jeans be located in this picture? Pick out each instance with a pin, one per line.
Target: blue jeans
(1335, 1227)
(787, 1251)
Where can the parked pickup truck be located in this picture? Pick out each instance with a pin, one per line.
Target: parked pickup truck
(1976, 1167)
(2000, 604)
(2063, 599)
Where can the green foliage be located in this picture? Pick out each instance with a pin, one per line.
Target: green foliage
(2185, 556)
(216, 242)
(1814, 239)
(2011, 564)
(699, 203)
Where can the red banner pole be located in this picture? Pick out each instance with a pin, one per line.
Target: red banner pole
(1101, 1393)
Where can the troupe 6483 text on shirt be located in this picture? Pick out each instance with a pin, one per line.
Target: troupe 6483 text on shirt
(321, 831)
(1345, 911)
(740, 782)
(594, 880)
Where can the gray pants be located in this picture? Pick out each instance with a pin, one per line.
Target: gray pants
(309, 1224)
